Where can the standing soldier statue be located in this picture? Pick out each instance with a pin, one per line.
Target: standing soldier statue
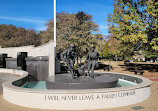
(91, 58)
(69, 56)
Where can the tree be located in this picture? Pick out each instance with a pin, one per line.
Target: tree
(127, 23)
(12, 36)
(72, 28)
(106, 50)
(152, 26)
(134, 24)
(101, 48)
(111, 47)
(114, 45)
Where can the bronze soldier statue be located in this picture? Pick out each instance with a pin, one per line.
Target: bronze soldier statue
(92, 58)
(69, 55)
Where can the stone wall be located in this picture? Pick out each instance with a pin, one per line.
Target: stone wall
(43, 50)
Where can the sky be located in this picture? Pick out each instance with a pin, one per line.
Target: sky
(34, 14)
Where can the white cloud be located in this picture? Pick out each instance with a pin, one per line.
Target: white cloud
(103, 27)
(22, 19)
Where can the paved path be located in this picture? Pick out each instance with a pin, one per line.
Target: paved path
(151, 104)
(5, 77)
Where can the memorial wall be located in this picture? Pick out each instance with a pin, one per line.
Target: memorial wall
(43, 50)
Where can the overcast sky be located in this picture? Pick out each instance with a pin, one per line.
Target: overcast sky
(33, 14)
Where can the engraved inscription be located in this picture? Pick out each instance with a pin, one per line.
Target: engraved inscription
(90, 96)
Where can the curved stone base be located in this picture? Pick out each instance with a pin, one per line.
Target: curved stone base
(77, 99)
(65, 81)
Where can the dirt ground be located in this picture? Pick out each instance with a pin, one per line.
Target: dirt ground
(119, 67)
(151, 104)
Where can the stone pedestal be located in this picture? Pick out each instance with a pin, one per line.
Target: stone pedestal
(31, 68)
(65, 81)
(57, 66)
(38, 67)
(11, 63)
(42, 67)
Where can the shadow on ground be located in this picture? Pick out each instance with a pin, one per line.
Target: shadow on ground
(132, 67)
(104, 67)
(1, 89)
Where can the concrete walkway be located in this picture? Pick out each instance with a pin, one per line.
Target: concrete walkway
(5, 77)
(151, 104)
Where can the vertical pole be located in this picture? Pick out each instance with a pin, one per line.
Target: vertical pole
(52, 51)
(54, 33)
(55, 26)
(52, 55)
